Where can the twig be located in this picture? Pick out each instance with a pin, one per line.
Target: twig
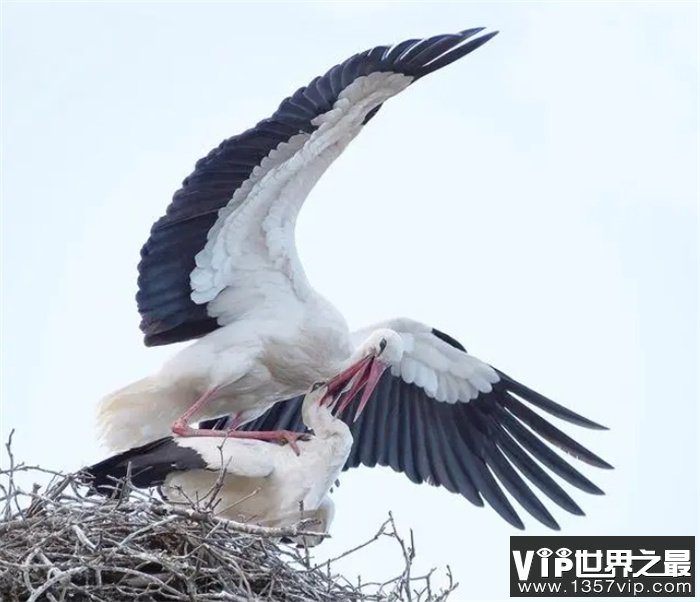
(62, 543)
(294, 530)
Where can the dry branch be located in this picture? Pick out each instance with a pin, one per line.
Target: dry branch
(60, 544)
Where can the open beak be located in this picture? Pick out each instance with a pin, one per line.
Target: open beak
(342, 382)
(365, 374)
(376, 369)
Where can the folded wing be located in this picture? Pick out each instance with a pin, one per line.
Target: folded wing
(150, 465)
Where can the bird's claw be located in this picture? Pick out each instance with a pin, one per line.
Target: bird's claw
(290, 438)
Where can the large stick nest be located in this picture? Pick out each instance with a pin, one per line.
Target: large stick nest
(60, 543)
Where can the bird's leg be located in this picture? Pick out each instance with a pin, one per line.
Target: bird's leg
(290, 437)
(182, 426)
(280, 436)
(233, 422)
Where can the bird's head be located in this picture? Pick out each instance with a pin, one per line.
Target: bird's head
(318, 408)
(317, 394)
(384, 345)
(383, 348)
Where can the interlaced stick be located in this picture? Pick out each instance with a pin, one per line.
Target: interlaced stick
(61, 543)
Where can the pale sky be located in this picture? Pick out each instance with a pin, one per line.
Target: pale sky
(537, 200)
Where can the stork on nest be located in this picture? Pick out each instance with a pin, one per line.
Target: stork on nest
(221, 266)
(59, 542)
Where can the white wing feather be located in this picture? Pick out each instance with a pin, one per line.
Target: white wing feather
(252, 246)
(442, 371)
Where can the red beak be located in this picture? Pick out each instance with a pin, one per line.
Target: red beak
(376, 369)
(365, 374)
(339, 384)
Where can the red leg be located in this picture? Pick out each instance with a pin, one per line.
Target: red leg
(235, 422)
(182, 425)
(182, 428)
(289, 437)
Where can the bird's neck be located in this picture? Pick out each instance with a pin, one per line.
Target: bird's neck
(324, 425)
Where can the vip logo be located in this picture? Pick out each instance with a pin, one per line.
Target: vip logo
(584, 566)
(558, 565)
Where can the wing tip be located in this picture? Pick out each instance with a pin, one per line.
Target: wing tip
(584, 422)
(588, 457)
(545, 517)
(467, 45)
(488, 36)
(514, 520)
(605, 465)
(472, 31)
(546, 404)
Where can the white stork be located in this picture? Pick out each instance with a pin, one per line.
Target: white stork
(221, 266)
(243, 480)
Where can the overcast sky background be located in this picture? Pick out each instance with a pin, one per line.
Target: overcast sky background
(537, 200)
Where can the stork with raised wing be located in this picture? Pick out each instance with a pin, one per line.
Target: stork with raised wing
(221, 267)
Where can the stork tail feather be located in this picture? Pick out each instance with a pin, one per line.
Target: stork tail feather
(138, 413)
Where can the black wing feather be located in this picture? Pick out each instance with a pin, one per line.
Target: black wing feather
(408, 463)
(542, 402)
(453, 55)
(472, 448)
(430, 51)
(168, 314)
(551, 433)
(394, 55)
(437, 450)
(455, 455)
(534, 472)
(393, 442)
(485, 483)
(148, 465)
(420, 436)
(512, 481)
(383, 442)
(545, 454)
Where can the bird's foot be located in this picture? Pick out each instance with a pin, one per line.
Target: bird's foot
(282, 437)
(182, 429)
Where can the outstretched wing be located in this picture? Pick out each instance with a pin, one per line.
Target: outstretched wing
(444, 417)
(226, 242)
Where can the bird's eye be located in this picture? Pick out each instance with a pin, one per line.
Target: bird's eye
(382, 345)
(544, 552)
(317, 385)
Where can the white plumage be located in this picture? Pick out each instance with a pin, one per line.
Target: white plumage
(248, 276)
(222, 265)
(444, 372)
(244, 480)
